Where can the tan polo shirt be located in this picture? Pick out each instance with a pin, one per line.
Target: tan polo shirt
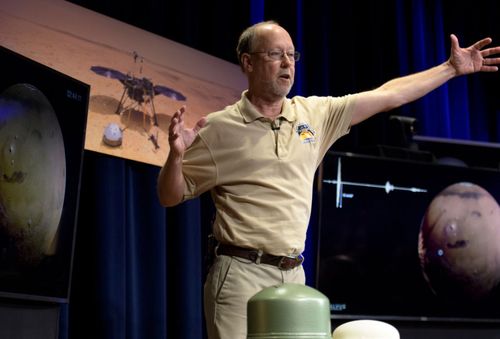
(261, 179)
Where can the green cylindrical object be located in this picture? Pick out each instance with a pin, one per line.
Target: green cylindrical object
(289, 311)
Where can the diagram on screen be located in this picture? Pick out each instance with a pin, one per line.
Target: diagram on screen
(340, 194)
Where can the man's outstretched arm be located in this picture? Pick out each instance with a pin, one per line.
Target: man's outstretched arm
(403, 90)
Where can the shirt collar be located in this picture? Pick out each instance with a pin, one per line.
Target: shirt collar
(250, 112)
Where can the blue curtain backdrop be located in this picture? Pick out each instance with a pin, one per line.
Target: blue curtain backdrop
(138, 267)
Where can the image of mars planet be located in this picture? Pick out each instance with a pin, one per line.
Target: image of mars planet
(32, 176)
(459, 243)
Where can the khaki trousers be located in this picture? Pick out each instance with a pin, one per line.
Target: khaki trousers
(230, 283)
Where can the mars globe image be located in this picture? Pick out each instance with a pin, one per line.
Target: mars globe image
(459, 243)
(32, 176)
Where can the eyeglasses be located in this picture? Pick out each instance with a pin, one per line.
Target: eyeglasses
(278, 54)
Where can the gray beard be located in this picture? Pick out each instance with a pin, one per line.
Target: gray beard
(280, 90)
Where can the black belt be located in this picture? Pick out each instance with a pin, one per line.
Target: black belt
(284, 263)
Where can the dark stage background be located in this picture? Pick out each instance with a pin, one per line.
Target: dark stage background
(139, 268)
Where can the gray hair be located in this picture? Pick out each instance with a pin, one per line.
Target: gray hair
(246, 40)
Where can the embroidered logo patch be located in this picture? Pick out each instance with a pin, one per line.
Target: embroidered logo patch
(306, 133)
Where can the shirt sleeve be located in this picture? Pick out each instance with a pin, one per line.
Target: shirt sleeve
(199, 169)
(335, 114)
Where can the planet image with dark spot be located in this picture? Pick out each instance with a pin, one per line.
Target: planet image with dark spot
(32, 176)
(459, 243)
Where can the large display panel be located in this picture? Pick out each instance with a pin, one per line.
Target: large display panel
(43, 114)
(138, 79)
(409, 240)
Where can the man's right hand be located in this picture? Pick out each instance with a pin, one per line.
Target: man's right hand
(179, 137)
(171, 183)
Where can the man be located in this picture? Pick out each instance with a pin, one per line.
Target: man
(258, 158)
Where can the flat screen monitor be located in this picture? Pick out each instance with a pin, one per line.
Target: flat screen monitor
(42, 127)
(408, 240)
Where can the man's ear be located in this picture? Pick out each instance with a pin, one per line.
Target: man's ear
(246, 61)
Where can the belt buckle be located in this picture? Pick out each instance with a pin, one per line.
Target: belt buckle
(255, 256)
(287, 263)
